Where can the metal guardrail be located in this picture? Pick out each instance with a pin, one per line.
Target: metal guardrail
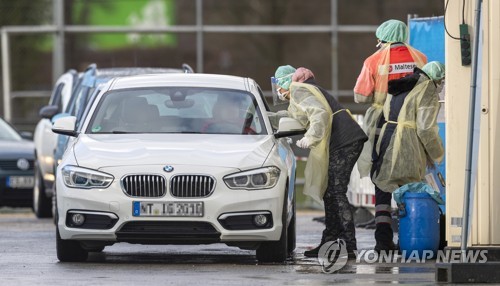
(30, 93)
(59, 29)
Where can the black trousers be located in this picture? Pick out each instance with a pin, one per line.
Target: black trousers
(383, 219)
(383, 231)
(338, 212)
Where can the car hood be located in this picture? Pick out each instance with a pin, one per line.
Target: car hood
(17, 149)
(233, 151)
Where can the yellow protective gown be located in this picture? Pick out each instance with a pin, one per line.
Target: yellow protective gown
(416, 137)
(309, 106)
(373, 113)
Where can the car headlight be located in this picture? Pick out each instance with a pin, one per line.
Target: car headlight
(77, 177)
(257, 179)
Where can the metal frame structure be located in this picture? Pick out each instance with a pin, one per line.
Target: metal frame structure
(59, 29)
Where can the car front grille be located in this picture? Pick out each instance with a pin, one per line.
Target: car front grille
(149, 186)
(192, 186)
(11, 165)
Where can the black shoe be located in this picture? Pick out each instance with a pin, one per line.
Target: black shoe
(351, 254)
(312, 252)
(319, 219)
(384, 247)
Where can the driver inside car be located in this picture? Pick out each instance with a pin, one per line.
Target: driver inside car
(227, 117)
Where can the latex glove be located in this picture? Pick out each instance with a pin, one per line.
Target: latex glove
(304, 143)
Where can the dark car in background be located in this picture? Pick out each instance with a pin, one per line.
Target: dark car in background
(16, 167)
(90, 79)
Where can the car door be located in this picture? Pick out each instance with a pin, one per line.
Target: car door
(45, 141)
(44, 138)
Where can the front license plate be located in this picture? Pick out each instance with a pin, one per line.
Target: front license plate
(21, 182)
(177, 209)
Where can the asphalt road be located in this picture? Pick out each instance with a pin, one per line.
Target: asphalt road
(28, 257)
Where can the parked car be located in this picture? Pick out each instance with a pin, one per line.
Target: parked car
(45, 142)
(76, 103)
(16, 166)
(177, 159)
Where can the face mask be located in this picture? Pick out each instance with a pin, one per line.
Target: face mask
(281, 96)
(439, 88)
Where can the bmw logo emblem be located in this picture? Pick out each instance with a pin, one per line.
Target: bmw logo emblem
(168, 168)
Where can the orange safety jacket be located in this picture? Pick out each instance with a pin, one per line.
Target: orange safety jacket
(378, 70)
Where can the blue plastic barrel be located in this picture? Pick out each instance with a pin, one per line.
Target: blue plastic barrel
(419, 225)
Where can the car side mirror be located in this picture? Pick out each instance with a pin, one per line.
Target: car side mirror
(65, 126)
(48, 111)
(59, 115)
(289, 127)
(187, 68)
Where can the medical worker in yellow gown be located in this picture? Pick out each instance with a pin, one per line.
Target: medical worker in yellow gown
(335, 140)
(410, 137)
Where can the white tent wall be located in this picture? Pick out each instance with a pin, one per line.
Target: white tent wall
(485, 221)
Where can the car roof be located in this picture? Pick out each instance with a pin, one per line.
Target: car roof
(8, 127)
(189, 80)
(102, 75)
(126, 71)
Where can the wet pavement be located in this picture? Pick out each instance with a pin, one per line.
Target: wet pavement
(357, 272)
(27, 257)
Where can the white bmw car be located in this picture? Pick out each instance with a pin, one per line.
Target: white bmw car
(177, 159)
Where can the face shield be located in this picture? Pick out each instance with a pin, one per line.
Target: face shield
(278, 96)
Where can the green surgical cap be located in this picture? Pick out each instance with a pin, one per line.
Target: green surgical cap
(284, 76)
(435, 70)
(392, 31)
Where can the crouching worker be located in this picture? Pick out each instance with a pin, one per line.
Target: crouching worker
(409, 140)
(335, 140)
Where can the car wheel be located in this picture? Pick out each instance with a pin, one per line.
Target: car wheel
(275, 251)
(96, 249)
(291, 232)
(69, 250)
(42, 205)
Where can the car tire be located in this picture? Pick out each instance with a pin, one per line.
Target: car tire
(291, 233)
(96, 249)
(42, 205)
(276, 251)
(69, 250)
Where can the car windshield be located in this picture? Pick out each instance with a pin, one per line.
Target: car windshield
(8, 133)
(177, 110)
